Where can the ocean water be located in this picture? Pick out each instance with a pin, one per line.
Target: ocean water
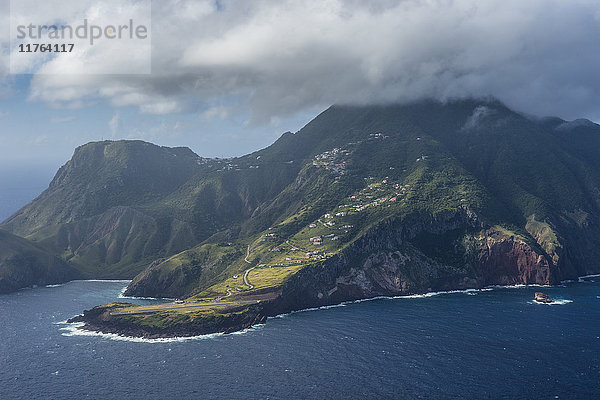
(491, 344)
(18, 186)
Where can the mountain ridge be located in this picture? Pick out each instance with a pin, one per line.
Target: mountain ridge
(363, 201)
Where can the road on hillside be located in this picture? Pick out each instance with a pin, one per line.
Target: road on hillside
(247, 255)
(250, 286)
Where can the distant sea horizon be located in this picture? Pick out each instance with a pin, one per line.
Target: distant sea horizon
(18, 186)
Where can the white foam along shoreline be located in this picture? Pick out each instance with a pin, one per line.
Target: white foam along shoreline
(122, 296)
(430, 294)
(75, 331)
(555, 302)
(584, 277)
(410, 296)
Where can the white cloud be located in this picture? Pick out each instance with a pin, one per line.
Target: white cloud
(113, 125)
(219, 112)
(160, 107)
(40, 140)
(479, 115)
(280, 57)
(89, 23)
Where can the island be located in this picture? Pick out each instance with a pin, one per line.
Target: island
(364, 201)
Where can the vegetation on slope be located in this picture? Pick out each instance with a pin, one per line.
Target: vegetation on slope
(24, 264)
(363, 200)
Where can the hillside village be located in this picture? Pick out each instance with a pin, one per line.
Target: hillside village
(332, 231)
(334, 160)
(325, 236)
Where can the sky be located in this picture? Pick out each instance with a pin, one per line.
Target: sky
(227, 77)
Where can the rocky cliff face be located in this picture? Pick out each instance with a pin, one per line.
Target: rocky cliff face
(390, 261)
(506, 259)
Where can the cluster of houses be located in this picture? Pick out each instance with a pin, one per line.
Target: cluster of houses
(332, 161)
(315, 255)
(230, 167)
(316, 240)
(225, 164)
(376, 194)
(204, 161)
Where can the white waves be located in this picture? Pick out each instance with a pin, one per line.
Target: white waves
(74, 329)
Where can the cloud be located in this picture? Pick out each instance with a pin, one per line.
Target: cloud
(276, 58)
(113, 125)
(40, 140)
(219, 112)
(479, 115)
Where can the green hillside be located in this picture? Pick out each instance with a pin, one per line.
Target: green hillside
(362, 202)
(24, 264)
(115, 207)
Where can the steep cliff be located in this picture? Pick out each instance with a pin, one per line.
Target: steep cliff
(396, 258)
(24, 264)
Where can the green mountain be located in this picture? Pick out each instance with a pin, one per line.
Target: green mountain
(24, 264)
(115, 207)
(362, 202)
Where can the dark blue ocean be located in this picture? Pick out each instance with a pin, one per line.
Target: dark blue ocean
(19, 185)
(492, 344)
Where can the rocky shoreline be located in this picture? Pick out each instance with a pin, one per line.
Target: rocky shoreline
(175, 332)
(95, 320)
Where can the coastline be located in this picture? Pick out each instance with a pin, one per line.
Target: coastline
(88, 324)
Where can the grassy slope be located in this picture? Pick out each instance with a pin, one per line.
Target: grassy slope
(528, 178)
(22, 264)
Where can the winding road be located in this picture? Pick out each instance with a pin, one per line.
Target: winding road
(247, 255)
(250, 286)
